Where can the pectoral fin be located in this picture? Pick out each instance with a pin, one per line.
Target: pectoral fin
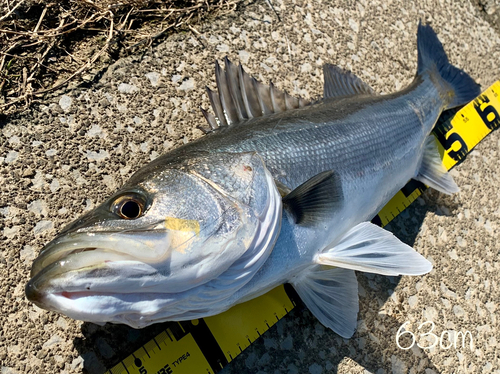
(432, 172)
(371, 249)
(315, 199)
(331, 294)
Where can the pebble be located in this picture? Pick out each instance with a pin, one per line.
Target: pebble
(305, 68)
(11, 232)
(43, 226)
(154, 78)
(315, 369)
(250, 360)
(224, 48)
(176, 78)
(127, 88)
(54, 185)
(269, 343)
(65, 102)
(104, 348)
(459, 311)
(461, 242)
(265, 359)
(187, 85)
(27, 254)
(38, 181)
(243, 56)
(38, 207)
(14, 349)
(77, 363)
(61, 322)
(54, 339)
(398, 366)
(110, 182)
(12, 156)
(430, 314)
(14, 140)
(354, 25)
(287, 343)
(8, 370)
(28, 173)
(95, 130)
(491, 306)
(97, 156)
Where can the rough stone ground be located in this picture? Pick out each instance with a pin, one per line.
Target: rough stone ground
(61, 159)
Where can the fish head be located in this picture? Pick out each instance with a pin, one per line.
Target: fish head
(174, 226)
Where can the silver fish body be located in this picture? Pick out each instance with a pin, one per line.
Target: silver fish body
(212, 229)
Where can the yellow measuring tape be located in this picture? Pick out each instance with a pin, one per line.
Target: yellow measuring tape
(207, 345)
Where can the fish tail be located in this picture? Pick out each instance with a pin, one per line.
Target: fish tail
(456, 87)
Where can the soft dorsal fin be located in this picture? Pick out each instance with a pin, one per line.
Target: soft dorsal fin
(315, 198)
(340, 82)
(240, 97)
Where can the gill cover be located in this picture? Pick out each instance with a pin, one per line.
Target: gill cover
(249, 208)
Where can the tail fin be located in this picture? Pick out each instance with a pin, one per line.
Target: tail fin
(458, 87)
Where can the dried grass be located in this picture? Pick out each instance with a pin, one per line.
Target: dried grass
(44, 45)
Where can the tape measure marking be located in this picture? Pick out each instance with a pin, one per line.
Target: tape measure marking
(251, 322)
(207, 345)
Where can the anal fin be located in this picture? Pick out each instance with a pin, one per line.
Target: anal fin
(432, 171)
(331, 294)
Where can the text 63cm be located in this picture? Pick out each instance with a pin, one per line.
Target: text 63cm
(446, 340)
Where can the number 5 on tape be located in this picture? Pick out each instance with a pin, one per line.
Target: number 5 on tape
(469, 126)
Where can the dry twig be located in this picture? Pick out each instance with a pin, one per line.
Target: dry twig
(11, 11)
(36, 36)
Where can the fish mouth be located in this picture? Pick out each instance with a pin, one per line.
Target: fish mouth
(50, 257)
(117, 245)
(66, 254)
(59, 248)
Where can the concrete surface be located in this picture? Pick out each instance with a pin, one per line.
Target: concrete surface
(63, 157)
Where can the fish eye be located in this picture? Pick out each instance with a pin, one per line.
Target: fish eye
(129, 206)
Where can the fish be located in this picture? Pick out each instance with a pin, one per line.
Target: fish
(279, 190)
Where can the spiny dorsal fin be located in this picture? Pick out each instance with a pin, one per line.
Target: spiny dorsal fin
(339, 82)
(315, 198)
(240, 97)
